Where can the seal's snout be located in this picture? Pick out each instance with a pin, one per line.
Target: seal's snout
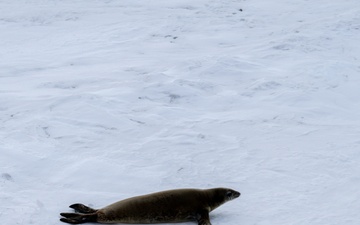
(232, 194)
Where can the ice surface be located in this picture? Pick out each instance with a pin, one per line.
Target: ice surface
(103, 100)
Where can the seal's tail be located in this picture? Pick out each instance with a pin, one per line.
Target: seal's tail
(77, 218)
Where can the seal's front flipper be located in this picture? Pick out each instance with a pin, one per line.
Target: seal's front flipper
(82, 208)
(203, 218)
(77, 218)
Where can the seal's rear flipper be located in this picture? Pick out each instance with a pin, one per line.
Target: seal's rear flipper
(66, 220)
(77, 218)
(82, 208)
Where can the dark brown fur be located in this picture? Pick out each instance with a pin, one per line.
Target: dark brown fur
(178, 205)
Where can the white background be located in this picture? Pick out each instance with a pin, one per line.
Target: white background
(103, 100)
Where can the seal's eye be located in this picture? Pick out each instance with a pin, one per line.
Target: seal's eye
(229, 194)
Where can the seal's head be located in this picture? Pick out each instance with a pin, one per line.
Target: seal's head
(221, 195)
(231, 194)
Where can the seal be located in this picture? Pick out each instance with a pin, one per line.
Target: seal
(171, 206)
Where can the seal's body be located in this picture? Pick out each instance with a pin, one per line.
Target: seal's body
(170, 206)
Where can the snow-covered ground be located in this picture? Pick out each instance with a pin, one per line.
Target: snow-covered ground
(103, 100)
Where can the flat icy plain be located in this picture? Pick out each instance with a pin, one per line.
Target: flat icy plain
(103, 100)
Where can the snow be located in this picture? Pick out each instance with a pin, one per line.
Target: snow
(103, 100)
